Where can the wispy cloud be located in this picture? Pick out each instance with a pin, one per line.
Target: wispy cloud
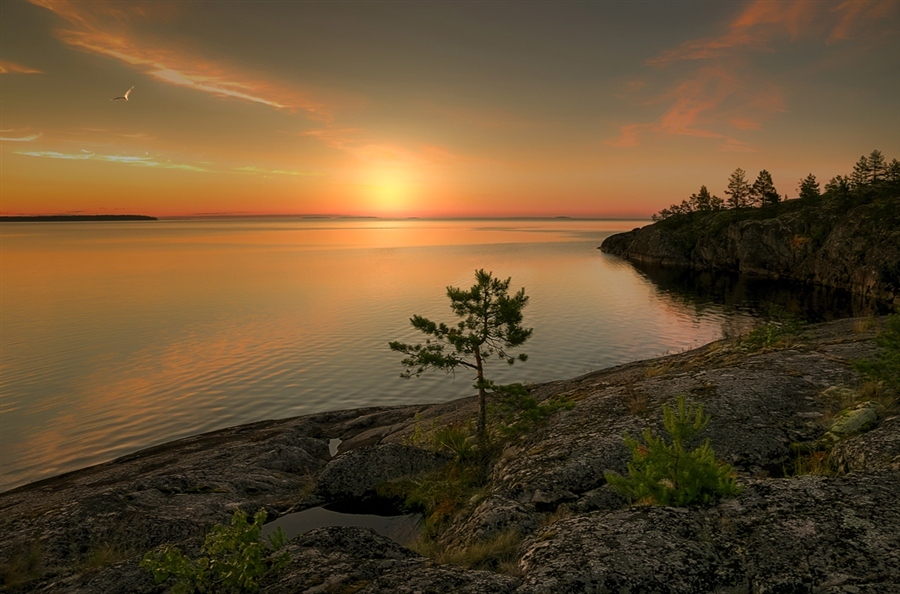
(156, 161)
(723, 95)
(755, 27)
(8, 136)
(861, 17)
(108, 29)
(57, 155)
(629, 135)
(7, 67)
(261, 171)
(140, 160)
(703, 105)
(691, 99)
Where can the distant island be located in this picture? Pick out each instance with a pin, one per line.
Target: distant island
(73, 218)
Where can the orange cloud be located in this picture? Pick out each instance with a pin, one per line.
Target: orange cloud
(733, 145)
(7, 67)
(756, 26)
(703, 92)
(765, 20)
(745, 124)
(629, 135)
(724, 93)
(350, 140)
(858, 16)
(106, 29)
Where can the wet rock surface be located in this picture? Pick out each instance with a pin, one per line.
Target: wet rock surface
(782, 533)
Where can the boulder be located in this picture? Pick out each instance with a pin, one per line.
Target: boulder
(357, 473)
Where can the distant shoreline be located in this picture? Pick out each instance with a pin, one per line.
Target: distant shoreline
(73, 218)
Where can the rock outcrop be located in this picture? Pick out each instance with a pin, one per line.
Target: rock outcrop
(831, 533)
(842, 246)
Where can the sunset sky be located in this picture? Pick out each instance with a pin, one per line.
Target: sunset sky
(426, 108)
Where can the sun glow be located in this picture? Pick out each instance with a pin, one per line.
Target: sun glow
(390, 191)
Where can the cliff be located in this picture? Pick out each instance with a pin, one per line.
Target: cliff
(543, 500)
(841, 243)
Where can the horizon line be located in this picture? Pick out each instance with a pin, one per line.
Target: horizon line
(225, 215)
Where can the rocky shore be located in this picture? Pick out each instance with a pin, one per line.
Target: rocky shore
(828, 242)
(791, 529)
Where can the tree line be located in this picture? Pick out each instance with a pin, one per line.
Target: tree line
(871, 172)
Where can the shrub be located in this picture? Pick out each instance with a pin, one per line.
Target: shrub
(663, 473)
(234, 560)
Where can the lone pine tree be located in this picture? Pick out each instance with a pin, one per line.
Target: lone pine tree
(490, 324)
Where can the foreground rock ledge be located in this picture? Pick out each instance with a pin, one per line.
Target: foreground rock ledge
(801, 534)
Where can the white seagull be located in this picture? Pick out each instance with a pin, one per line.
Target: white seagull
(125, 96)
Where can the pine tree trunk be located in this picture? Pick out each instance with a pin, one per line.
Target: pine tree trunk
(482, 400)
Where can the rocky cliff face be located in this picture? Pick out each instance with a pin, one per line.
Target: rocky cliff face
(811, 533)
(852, 247)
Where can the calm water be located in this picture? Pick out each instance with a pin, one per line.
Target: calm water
(118, 336)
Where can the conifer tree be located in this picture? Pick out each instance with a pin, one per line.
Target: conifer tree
(861, 175)
(491, 323)
(838, 185)
(664, 472)
(703, 200)
(809, 187)
(893, 171)
(877, 166)
(738, 189)
(763, 191)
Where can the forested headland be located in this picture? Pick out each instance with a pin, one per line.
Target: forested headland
(845, 236)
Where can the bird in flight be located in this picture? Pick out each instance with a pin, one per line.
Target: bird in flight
(125, 96)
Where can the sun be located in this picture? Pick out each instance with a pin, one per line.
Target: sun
(390, 191)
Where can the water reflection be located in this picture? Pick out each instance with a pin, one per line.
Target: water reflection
(401, 528)
(115, 337)
(705, 290)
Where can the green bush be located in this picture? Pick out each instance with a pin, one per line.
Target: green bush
(234, 560)
(886, 364)
(663, 473)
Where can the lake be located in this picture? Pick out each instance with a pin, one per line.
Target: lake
(117, 336)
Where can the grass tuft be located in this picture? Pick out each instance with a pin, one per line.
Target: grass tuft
(104, 555)
(24, 565)
(498, 553)
(637, 402)
(817, 462)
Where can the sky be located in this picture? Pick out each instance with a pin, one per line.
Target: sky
(434, 109)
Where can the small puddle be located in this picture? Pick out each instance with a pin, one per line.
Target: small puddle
(402, 529)
(333, 445)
